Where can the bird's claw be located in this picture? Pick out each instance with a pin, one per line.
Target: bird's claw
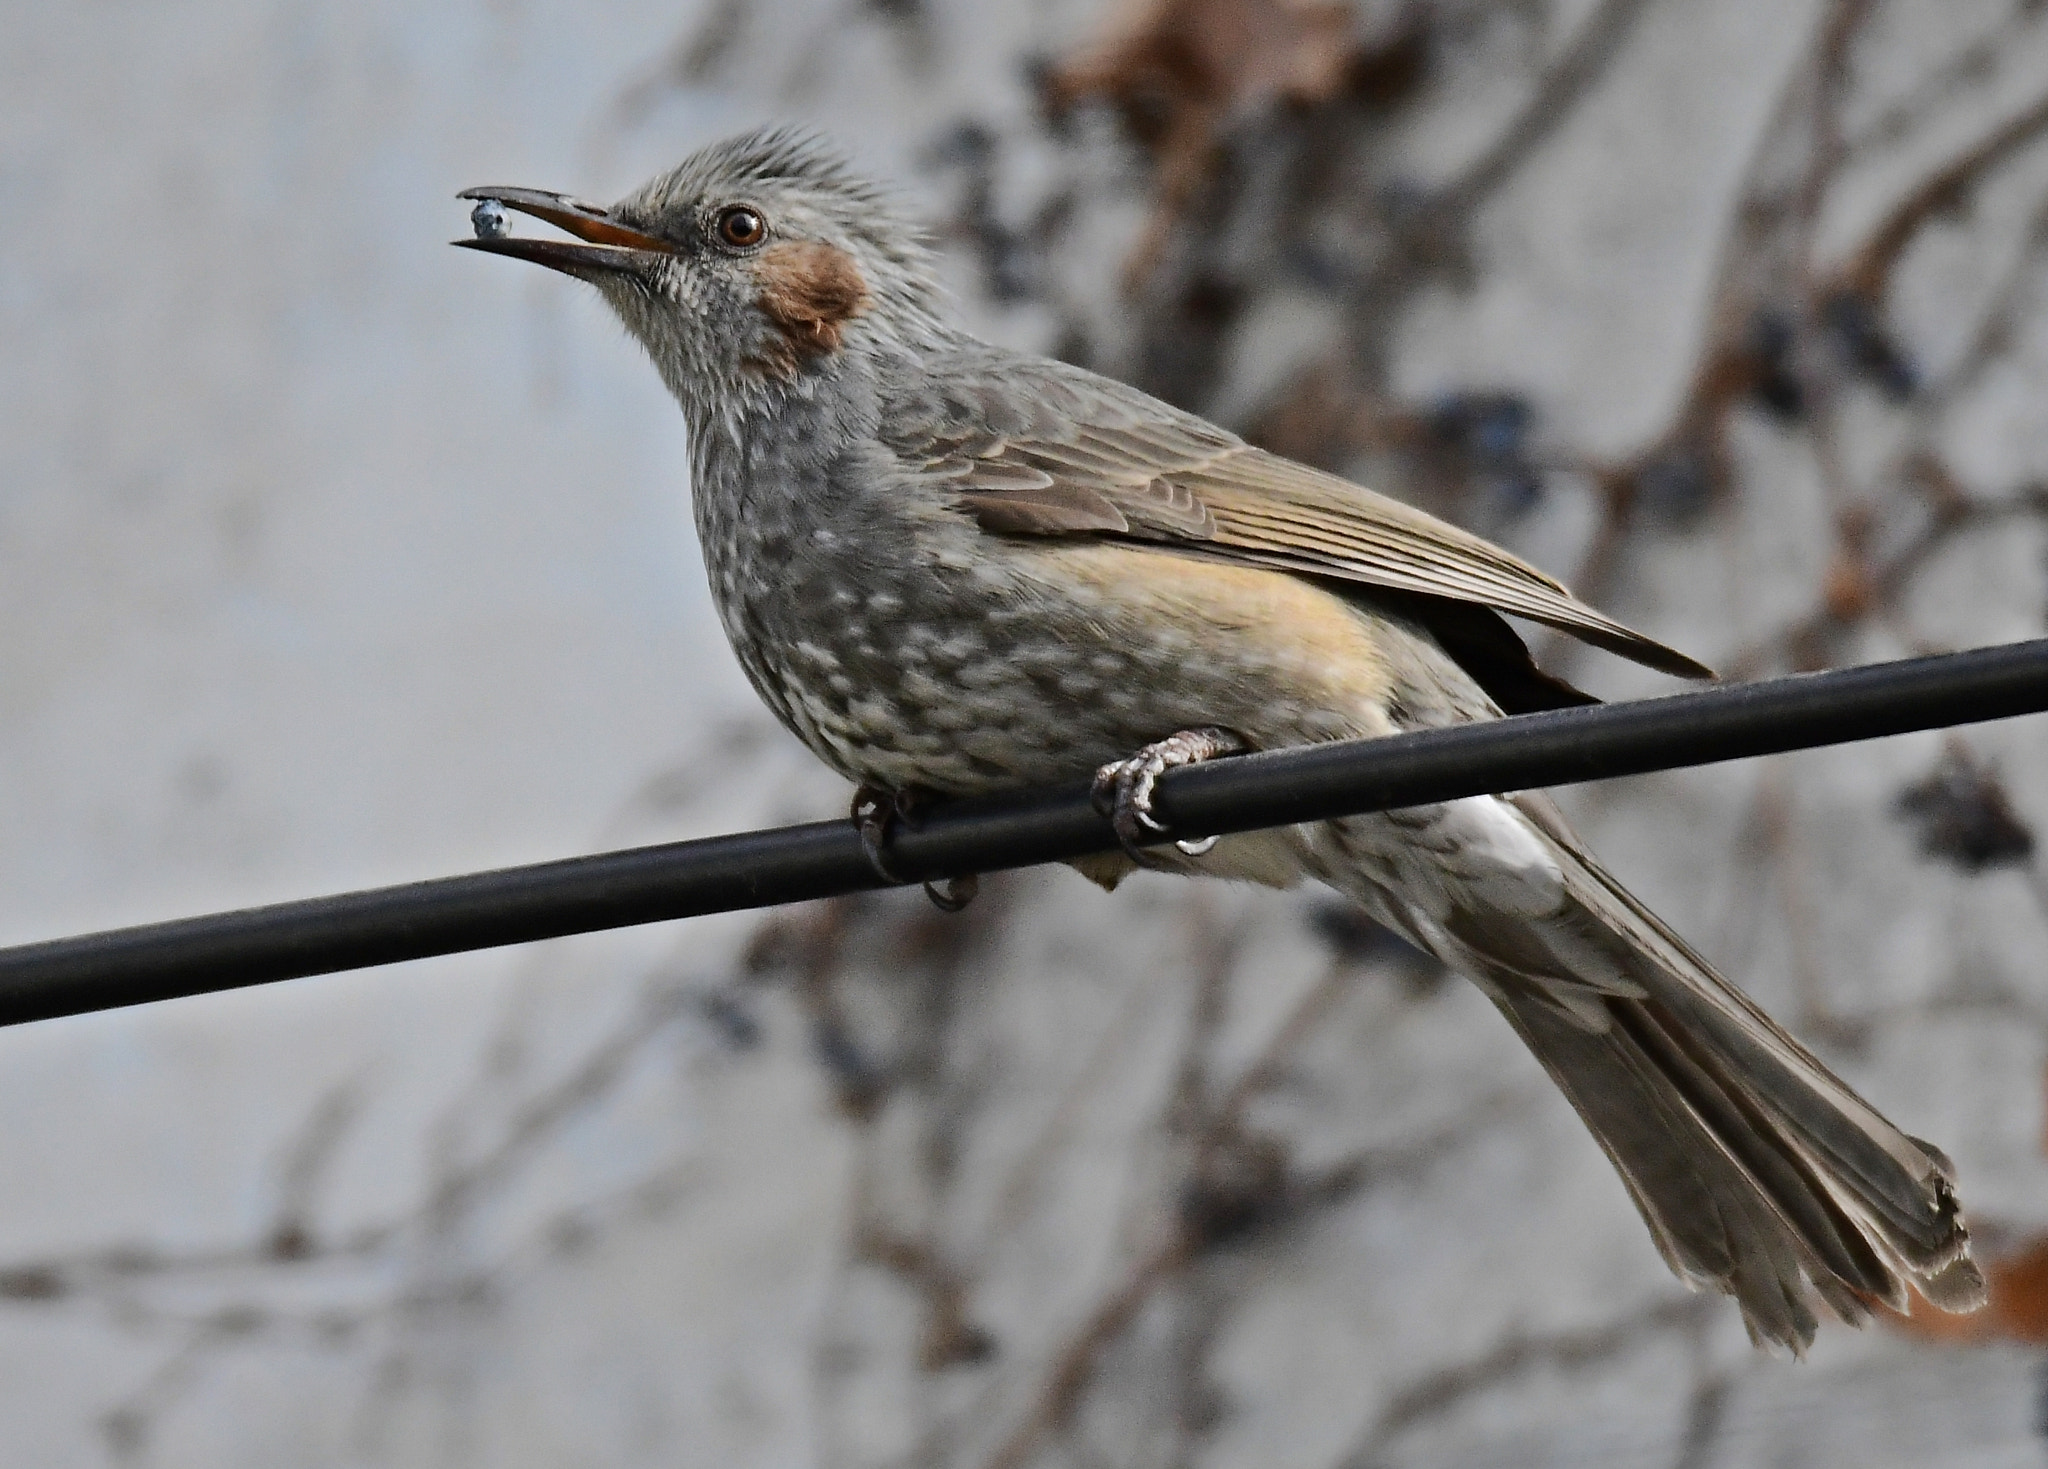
(951, 894)
(875, 813)
(1123, 788)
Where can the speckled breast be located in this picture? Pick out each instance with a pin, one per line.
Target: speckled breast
(907, 647)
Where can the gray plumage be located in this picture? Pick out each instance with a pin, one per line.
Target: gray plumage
(951, 566)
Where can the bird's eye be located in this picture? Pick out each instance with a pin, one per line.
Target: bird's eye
(740, 227)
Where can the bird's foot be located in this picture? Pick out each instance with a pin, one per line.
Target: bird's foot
(876, 813)
(1123, 788)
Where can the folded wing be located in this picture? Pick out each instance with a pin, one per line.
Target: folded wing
(1042, 449)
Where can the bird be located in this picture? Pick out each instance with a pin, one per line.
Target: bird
(950, 567)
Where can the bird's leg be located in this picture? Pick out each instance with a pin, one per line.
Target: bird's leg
(873, 813)
(1123, 788)
(876, 812)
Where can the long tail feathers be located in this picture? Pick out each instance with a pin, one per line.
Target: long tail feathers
(1759, 1172)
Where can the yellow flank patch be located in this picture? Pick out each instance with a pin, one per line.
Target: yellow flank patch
(1328, 651)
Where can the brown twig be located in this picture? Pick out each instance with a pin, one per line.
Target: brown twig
(1439, 1392)
(1068, 1375)
(1587, 56)
(1867, 270)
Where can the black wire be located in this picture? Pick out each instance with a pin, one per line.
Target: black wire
(220, 951)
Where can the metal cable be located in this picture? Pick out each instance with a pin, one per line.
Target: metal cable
(189, 956)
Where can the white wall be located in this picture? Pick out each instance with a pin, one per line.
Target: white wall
(331, 556)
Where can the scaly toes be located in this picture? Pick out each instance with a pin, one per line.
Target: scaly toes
(874, 812)
(1124, 789)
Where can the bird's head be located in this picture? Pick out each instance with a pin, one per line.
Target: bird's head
(757, 264)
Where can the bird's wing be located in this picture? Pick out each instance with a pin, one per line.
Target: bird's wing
(1045, 450)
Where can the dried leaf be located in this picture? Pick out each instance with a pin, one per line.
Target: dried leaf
(2018, 1309)
(1216, 55)
(1848, 591)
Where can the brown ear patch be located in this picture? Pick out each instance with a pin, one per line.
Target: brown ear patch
(810, 290)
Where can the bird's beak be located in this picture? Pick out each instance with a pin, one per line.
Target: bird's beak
(610, 246)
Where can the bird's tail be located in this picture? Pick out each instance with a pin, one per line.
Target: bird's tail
(1759, 1172)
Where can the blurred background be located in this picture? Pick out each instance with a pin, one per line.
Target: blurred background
(330, 556)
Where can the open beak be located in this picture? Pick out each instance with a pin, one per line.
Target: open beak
(608, 246)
